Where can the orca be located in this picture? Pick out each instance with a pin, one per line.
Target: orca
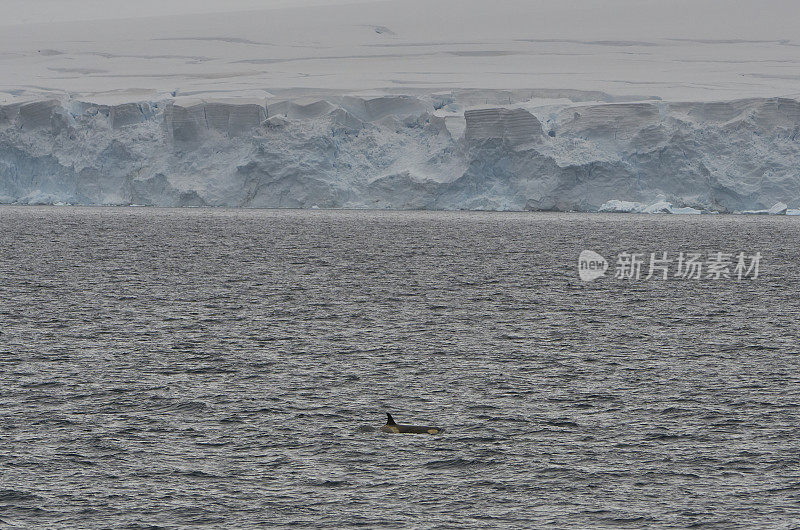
(393, 427)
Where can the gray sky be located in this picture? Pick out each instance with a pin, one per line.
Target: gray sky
(36, 11)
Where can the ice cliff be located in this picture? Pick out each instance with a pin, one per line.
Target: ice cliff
(461, 149)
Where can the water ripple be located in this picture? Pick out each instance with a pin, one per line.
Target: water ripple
(231, 368)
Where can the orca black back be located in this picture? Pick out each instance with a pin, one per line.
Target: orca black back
(393, 427)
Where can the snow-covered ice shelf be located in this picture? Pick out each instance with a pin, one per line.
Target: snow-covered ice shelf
(395, 152)
(678, 106)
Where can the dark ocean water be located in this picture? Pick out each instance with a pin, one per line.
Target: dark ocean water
(166, 368)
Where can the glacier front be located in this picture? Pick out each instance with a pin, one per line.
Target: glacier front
(457, 149)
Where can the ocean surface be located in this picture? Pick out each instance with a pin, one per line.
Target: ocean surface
(230, 369)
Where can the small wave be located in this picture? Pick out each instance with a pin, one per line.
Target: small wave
(789, 487)
(197, 474)
(599, 397)
(330, 483)
(212, 444)
(268, 410)
(627, 520)
(555, 469)
(482, 407)
(562, 422)
(760, 347)
(506, 420)
(276, 462)
(211, 370)
(17, 495)
(478, 439)
(54, 421)
(670, 436)
(30, 510)
(366, 428)
(189, 406)
(42, 384)
(675, 410)
(451, 463)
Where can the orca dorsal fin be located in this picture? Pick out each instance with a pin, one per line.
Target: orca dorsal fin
(389, 419)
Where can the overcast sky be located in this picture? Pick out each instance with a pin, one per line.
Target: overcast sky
(37, 11)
